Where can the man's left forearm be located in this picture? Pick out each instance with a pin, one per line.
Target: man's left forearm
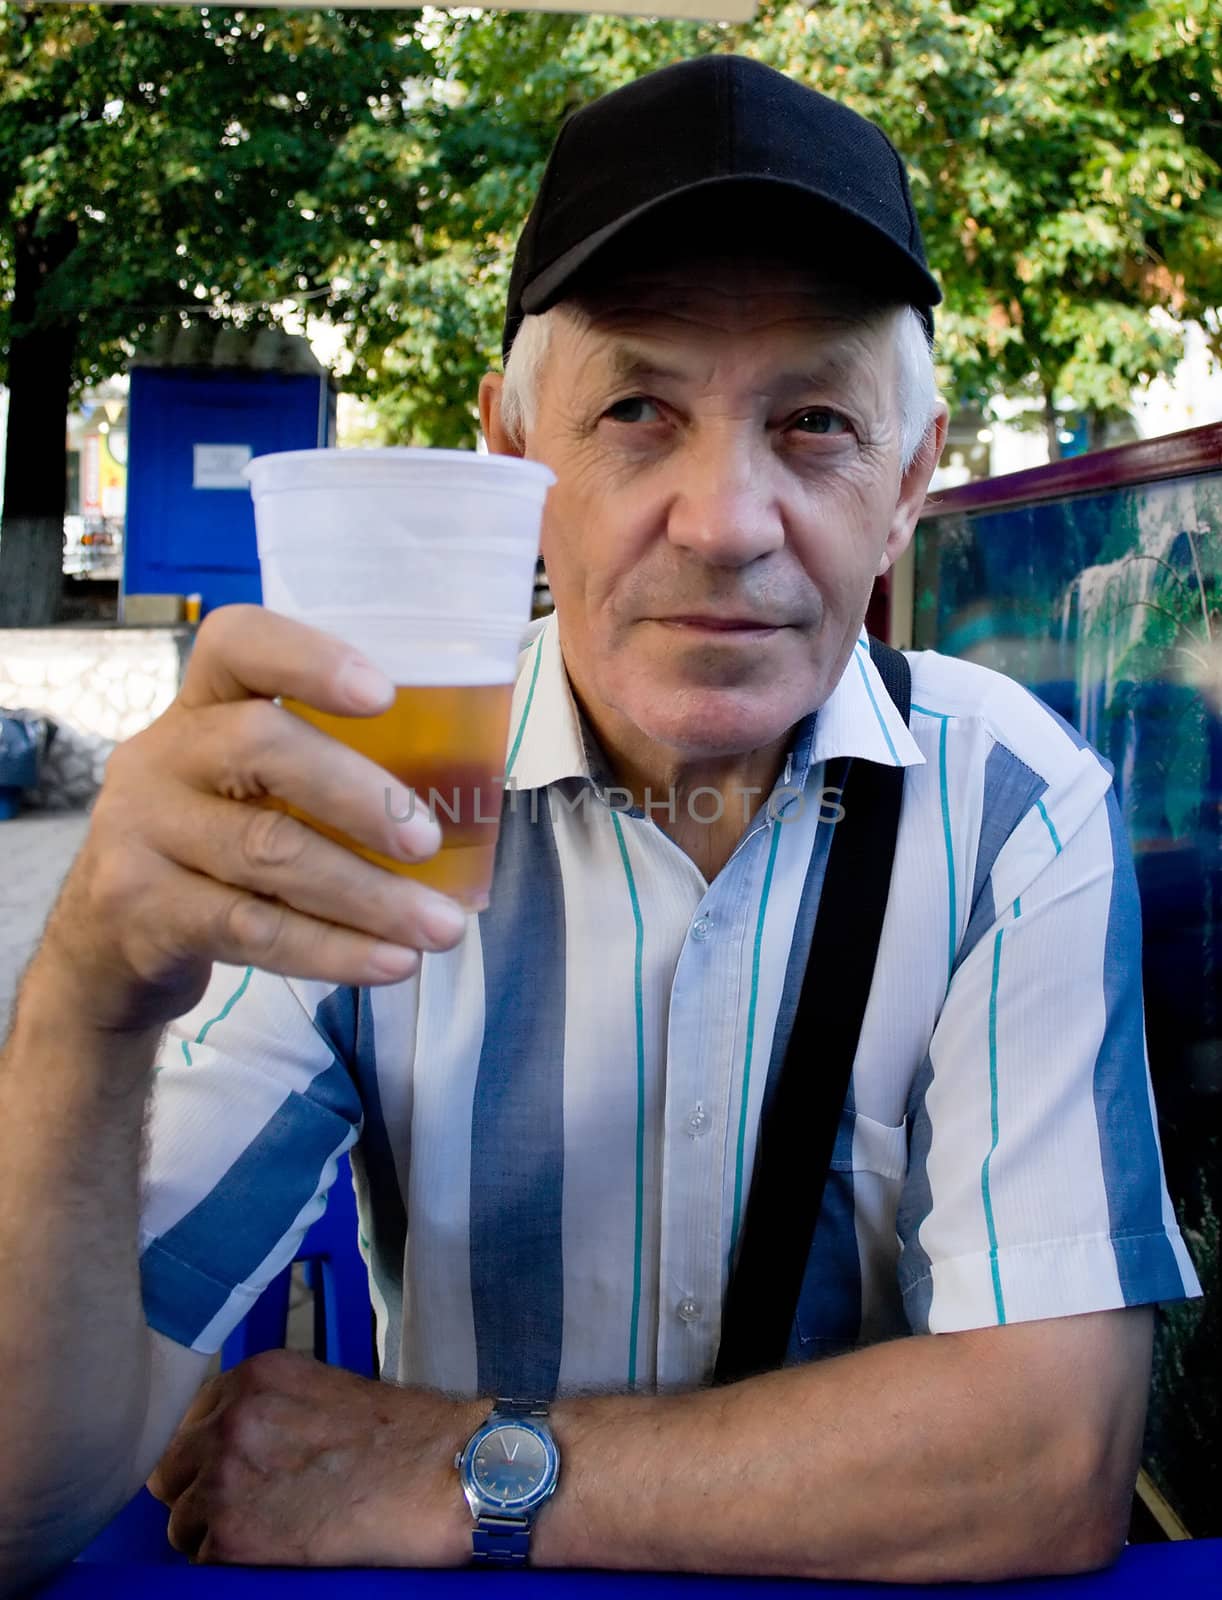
(978, 1455)
(975, 1455)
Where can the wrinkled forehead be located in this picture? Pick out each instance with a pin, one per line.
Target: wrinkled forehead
(768, 310)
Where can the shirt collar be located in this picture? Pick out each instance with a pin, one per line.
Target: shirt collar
(859, 718)
(545, 734)
(548, 742)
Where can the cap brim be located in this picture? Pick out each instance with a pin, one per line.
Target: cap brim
(891, 268)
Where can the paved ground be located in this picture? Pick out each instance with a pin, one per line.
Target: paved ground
(36, 849)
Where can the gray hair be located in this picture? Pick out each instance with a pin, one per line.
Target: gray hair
(918, 388)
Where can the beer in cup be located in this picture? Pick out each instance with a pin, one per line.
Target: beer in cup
(424, 561)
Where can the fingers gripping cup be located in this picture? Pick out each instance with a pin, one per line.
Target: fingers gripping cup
(424, 560)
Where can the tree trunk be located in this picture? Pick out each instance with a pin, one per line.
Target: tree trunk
(31, 571)
(1096, 430)
(36, 457)
(1052, 428)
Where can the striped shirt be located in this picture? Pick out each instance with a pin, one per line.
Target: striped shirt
(553, 1125)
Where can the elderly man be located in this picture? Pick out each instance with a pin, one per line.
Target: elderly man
(718, 339)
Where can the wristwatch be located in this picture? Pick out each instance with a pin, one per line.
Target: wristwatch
(509, 1468)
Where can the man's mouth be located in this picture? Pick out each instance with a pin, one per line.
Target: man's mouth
(717, 624)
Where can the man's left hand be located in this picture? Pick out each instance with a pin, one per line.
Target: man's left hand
(285, 1461)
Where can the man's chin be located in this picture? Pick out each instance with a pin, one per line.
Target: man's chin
(710, 724)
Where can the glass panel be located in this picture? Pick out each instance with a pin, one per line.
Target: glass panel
(1109, 606)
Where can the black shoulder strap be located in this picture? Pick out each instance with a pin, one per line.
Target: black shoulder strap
(798, 1131)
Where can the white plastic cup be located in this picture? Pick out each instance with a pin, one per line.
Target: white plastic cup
(424, 561)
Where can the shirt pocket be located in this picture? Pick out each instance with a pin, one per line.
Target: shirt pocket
(850, 1291)
(863, 1145)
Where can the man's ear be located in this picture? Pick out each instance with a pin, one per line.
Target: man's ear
(914, 486)
(491, 387)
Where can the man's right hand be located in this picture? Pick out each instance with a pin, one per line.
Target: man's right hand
(182, 865)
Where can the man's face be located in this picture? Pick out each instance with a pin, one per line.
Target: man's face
(726, 446)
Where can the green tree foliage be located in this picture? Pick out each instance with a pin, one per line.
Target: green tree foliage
(153, 160)
(178, 144)
(1064, 158)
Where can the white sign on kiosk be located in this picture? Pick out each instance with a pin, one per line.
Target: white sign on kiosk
(221, 466)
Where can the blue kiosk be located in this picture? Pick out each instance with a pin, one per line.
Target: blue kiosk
(203, 401)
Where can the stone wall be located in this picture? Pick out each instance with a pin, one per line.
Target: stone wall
(98, 684)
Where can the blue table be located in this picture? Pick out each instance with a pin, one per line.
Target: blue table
(1144, 1572)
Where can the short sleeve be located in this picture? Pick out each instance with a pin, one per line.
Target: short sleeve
(253, 1103)
(1035, 1183)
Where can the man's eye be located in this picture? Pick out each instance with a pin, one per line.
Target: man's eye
(635, 409)
(820, 421)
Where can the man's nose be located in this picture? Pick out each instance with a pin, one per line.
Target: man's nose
(724, 505)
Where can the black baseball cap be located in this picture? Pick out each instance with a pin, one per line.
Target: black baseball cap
(726, 133)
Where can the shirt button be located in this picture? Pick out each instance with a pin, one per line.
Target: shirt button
(702, 927)
(688, 1310)
(698, 1121)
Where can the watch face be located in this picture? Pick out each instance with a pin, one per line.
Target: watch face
(510, 1464)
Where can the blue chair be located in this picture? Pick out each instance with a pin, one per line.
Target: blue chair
(343, 1325)
(343, 1337)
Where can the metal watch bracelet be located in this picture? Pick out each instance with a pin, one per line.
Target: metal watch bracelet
(498, 1540)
